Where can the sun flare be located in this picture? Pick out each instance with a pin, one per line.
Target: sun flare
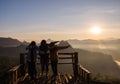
(96, 30)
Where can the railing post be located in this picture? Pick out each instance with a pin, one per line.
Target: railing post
(22, 58)
(22, 62)
(88, 78)
(75, 63)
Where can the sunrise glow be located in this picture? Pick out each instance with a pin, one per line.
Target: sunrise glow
(96, 30)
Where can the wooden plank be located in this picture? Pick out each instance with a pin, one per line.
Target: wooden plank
(65, 57)
(58, 53)
(60, 79)
(58, 63)
(84, 69)
(69, 76)
(15, 68)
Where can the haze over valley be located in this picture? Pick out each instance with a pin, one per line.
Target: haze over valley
(92, 58)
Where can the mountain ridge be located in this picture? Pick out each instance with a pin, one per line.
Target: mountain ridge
(95, 62)
(9, 42)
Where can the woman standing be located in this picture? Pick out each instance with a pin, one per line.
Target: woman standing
(44, 57)
(31, 59)
(54, 56)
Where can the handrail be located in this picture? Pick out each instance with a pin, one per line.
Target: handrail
(12, 76)
(73, 56)
(60, 53)
(86, 71)
(61, 58)
(83, 75)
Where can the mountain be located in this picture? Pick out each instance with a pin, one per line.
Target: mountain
(12, 51)
(49, 40)
(112, 42)
(9, 42)
(10, 57)
(95, 62)
(106, 46)
(90, 41)
(98, 63)
(67, 50)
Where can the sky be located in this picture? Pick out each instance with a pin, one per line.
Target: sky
(59, 19)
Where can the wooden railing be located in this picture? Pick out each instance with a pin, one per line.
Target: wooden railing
(12, 76)
(70, 56)
(81, 74)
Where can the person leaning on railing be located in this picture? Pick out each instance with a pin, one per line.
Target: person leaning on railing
(54, 55)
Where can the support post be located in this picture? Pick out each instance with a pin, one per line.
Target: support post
(22, 58)
(88, 78)
(76, 64)
(22, 62)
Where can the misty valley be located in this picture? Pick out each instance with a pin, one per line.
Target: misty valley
(101, 58)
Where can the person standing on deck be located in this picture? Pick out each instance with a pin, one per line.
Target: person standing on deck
(44, 56)
(54, 56)
(31, 59)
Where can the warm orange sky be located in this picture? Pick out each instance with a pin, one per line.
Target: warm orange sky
(59, 20)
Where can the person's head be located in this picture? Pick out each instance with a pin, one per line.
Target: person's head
(43, 42)
(33, 43)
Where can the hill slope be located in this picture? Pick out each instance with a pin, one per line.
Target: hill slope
(9, 42)
(98, 63)
(95, 62)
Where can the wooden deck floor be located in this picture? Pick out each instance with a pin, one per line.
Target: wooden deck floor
(60, 79)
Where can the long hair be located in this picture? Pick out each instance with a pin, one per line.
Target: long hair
(33, 43)
(43, 42)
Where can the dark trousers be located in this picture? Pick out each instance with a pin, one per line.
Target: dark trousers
(43, 67)
(44, 63)
(32, 69)
(54, 66)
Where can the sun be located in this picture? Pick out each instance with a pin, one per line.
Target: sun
(96, 30)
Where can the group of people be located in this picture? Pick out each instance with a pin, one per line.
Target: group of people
(46, 51)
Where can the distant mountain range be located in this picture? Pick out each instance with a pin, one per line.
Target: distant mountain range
(96, 62)
(90, 41)
(15, 42)
(108, 46)
(8, 42)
